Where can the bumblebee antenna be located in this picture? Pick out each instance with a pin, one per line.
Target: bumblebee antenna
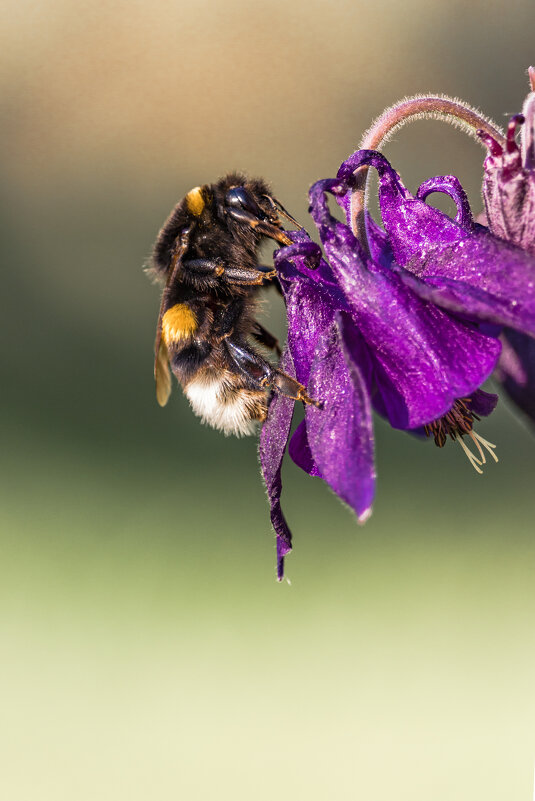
(276, 204)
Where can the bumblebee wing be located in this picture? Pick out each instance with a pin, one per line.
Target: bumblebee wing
(162, 373)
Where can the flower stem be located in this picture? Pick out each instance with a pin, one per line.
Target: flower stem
(438, 107)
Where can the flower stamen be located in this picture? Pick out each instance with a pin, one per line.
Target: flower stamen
(475, 440)
(474, 461)
(489, 446)
(478, 441)
(458, 423)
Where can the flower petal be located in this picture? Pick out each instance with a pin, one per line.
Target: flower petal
(340, 434)
(312, 298)
(380, 249)
(424, 359)
(273, 439)
(516, 370)
(310, 312)
(451, 186)
(511, 303)
(469, 272)
(302, 260)
(483, 403)
(300, 452)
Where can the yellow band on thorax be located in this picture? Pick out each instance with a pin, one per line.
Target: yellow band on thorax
(179, 322)
(195, 201)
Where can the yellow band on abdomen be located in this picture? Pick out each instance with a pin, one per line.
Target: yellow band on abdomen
(179, 322)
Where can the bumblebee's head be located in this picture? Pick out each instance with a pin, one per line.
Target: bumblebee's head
(249, 204)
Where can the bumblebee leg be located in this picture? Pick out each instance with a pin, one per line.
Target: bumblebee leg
(247, 276)
(215, 268)
(273, 280)
(265, 375)
(266, 339)
(208, 267)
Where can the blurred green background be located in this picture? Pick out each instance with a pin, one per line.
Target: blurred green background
(146, 649)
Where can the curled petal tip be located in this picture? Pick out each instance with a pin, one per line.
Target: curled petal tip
(494, 147)
(514, 123)
(531, 75)
(283, 549)
(451, 186)
(280, 569)
(361, 158)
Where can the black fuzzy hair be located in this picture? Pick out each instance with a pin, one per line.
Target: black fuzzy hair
(219, 232)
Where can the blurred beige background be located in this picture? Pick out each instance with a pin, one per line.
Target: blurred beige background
(146, 649)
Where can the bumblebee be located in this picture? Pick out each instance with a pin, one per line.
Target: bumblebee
(207, 254)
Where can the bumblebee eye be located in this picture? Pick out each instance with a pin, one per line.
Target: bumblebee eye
(238, 197)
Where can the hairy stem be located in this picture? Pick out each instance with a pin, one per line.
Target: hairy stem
(437, 107)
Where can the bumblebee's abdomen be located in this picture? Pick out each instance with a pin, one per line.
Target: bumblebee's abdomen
(178, 323)
(221, 399)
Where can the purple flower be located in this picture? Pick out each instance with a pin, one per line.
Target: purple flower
(411, 329)
(509, 180)
(509, 195)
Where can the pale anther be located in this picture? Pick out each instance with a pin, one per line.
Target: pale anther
(474, 461)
